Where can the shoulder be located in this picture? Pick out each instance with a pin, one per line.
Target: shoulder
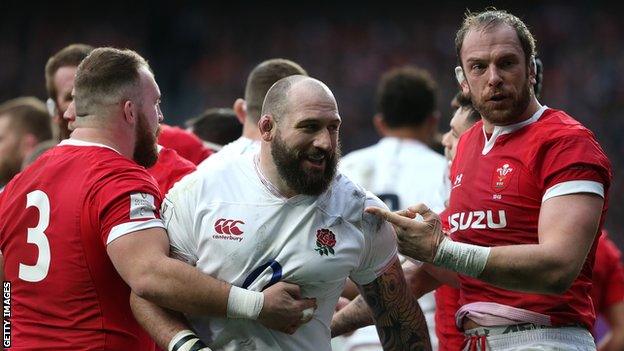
(218, 178)
(555, 124)
(558, 132)
(344, 198)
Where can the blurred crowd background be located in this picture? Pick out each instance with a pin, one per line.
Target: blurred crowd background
(202, 52)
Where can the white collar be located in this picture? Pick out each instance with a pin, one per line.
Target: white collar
(76, 142)
(501, 130)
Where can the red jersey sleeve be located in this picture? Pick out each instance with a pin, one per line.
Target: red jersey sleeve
(571, 164)
(612, 287)
(124, 202)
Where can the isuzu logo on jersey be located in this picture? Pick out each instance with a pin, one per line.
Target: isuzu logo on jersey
(502, 177)
(477, 220)
(228, 229)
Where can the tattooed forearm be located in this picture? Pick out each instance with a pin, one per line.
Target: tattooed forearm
(399, 320)
(353, 316)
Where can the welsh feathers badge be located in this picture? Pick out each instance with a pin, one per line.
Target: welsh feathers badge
(325, 241)
(502, 177)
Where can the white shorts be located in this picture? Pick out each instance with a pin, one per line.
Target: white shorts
(529, 337)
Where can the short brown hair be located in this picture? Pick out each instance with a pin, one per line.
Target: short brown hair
(28, 116)
(70, 56)
(491, 18)
(105, 77)
(462, 101)
(406, 96)
(262, 77)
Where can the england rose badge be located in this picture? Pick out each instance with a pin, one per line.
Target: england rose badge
(325, 241)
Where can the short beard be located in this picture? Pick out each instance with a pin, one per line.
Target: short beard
(145, 150)
(290, 168)
(510, 115)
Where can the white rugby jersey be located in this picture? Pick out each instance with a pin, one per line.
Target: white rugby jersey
(238, 147)
(402, 172)
(228, 222)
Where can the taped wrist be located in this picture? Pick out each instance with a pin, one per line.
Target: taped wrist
(186, 340)
(463, 258)
(243, 303)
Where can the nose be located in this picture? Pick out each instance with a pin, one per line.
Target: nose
(494, 77)
(70, 113)
(160, 115)
(446, 139)
(324, 140)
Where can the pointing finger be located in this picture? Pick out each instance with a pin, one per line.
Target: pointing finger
(393, 218)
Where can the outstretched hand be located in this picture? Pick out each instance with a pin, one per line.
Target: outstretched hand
(416, 239)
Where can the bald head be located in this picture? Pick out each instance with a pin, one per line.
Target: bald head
(295, 89)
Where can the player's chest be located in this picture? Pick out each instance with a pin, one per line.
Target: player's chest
(493, 191)
(258, 245)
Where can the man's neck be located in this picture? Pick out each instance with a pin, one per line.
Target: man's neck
(104, 137)
(533, 107)
(270, 172)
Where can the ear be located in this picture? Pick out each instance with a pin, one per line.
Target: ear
(266, 125)
(533, 71)
(129, 112)
(240, 109)
(461, 80)
(52, 108)
(380, 124)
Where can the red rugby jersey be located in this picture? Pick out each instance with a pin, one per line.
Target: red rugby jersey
(56, 219)
(169, 168)
(186, 144)
(608, 278)
(498, 185)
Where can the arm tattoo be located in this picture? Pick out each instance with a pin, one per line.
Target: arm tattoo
(399, 320)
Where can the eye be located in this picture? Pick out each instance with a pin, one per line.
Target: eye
(507, 63)
(309, 128)
(333, 128)
(477, 67)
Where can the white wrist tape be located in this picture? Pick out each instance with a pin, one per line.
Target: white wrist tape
(186, 340)
(462, 258)
(243, 303)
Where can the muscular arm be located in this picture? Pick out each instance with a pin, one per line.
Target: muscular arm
(400, 322)
(566, 230)
(161, 324)
(420, 280)
(142, 260)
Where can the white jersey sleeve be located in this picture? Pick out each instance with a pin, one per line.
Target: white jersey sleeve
(177, 213)
(381, 247)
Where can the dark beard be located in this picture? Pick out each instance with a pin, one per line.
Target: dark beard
(290, 167)
(510, 115)
(145, 151)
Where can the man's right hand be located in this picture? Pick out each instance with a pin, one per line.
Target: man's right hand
(283, 307)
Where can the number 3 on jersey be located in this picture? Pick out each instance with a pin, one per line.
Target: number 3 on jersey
(37, 236)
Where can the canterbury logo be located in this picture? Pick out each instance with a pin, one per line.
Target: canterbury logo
(228, 226)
